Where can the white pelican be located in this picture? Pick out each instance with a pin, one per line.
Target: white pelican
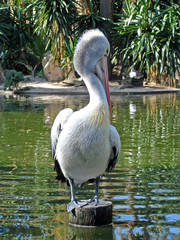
(84, 143)
(133, 73)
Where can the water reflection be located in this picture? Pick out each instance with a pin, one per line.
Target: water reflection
(144, 187)
(132, 110)
(91, 233)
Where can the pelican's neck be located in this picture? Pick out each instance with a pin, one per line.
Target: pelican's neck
(96, 91)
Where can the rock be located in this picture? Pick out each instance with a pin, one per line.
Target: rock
(31, 78)
(137, 82)
(52, 69)
(136, 78)
(73, 82)
(79, 82)
(177, 76)
(27, 78)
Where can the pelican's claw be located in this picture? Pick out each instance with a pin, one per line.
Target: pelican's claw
(73, 204)
(95, 200)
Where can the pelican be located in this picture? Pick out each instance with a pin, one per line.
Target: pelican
(84, 143)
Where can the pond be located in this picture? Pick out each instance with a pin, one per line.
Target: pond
(144, 187)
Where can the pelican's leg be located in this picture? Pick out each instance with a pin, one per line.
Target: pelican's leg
(74, 203)
(71, 183)
(96, 196)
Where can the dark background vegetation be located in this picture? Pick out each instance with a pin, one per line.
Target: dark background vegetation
(144, 34)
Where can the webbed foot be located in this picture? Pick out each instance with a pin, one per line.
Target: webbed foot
(73, 204)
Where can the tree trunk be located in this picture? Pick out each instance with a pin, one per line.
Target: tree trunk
(106, 7)
(1, 75)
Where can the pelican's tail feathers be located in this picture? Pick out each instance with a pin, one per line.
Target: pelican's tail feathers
(60, 175)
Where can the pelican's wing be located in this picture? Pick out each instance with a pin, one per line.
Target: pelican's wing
(56, 129)
(115, 148)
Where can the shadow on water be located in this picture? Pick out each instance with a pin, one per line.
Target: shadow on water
(144, 187)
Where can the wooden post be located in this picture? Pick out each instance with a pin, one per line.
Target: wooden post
(92, 215)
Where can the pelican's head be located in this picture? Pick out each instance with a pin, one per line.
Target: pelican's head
(90, 56)
(90, 49)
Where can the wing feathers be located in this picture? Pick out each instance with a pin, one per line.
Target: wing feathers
(115, 148)
(56, 129)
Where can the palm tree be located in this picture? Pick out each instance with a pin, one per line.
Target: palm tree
(54, 20)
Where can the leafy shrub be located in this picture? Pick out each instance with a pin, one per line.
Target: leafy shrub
(148, 35)
(40, 74)
(12, 80)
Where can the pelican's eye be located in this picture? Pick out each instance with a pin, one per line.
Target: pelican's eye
(107, 52)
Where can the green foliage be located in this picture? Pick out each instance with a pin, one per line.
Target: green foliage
(37, 47)
(12, 79)
(69, 52)
(54, 21)
(146, 32)
(38, 26)
(40, 74)
(4, 30)
(36, 50)
(149, 36)
(14, 33)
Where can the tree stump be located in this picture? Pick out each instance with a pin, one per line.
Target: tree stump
(91, 215)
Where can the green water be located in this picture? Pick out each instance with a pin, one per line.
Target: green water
(144, 187)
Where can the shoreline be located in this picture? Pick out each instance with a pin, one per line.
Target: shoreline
(43, 87)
